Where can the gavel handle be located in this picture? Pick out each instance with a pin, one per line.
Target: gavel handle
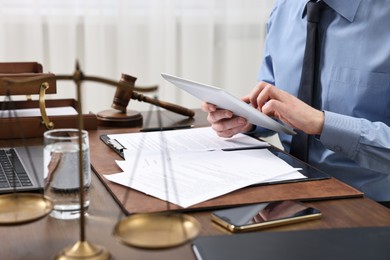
(169, 106)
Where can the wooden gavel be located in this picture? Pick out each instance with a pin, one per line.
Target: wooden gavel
(125, 89)
(123, 95)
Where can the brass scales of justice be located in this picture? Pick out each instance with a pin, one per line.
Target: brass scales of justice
(143, 230)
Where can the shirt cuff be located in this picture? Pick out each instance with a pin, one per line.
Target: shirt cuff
(341, 133)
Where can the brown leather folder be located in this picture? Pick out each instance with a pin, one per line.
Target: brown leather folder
(132, 201)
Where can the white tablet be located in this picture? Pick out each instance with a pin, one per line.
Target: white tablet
(225, 100)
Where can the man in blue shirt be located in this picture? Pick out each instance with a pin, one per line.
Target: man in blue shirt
(349, 133)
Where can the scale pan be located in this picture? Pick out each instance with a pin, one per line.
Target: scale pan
(156, 230)
(20, 208)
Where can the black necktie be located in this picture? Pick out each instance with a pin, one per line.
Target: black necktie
(299, 143)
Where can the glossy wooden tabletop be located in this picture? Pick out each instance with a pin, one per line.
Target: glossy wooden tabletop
(45, 238)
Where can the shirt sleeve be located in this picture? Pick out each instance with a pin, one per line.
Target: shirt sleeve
(365, 142)
(266, 72)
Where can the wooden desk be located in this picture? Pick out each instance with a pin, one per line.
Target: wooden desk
(45, 238)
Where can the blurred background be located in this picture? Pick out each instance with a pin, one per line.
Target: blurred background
(216, 42)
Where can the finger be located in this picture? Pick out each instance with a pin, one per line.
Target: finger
(207, 107)
(218, 115)
(230, 127)
(276, 108)
(269, 92)
(246, 99)
(227, 124)
(259, 88)
(254, 93)
(229, 133)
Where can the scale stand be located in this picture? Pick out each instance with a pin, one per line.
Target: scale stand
(174, 228)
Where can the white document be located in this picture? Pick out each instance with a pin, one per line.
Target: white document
(33, 112)
(186, 179)
(223, 99)
(188, 166)
(184, 140)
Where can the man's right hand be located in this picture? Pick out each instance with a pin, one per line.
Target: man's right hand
(224, 122)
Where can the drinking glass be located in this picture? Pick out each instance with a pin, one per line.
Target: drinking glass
(61, 171)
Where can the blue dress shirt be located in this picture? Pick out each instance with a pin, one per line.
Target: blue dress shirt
(355, 86)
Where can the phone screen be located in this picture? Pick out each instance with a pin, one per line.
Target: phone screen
(264, 215)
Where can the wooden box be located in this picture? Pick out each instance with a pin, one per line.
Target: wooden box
(32, 126)
(31, 118)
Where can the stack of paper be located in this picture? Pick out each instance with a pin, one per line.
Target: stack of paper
(186, 167)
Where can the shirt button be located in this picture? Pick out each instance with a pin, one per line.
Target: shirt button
(338, 148)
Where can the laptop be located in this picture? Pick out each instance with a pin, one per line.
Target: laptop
(19, 172)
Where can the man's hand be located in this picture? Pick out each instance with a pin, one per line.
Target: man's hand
(223, 121)
(279, 104)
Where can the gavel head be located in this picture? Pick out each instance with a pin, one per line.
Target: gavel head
(123, 93)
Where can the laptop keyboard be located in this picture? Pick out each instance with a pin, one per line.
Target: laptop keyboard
(12, 173)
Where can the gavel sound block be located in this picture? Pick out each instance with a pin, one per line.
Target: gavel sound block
(120, 116)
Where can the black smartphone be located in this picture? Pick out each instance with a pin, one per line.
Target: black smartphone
(264, 215)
